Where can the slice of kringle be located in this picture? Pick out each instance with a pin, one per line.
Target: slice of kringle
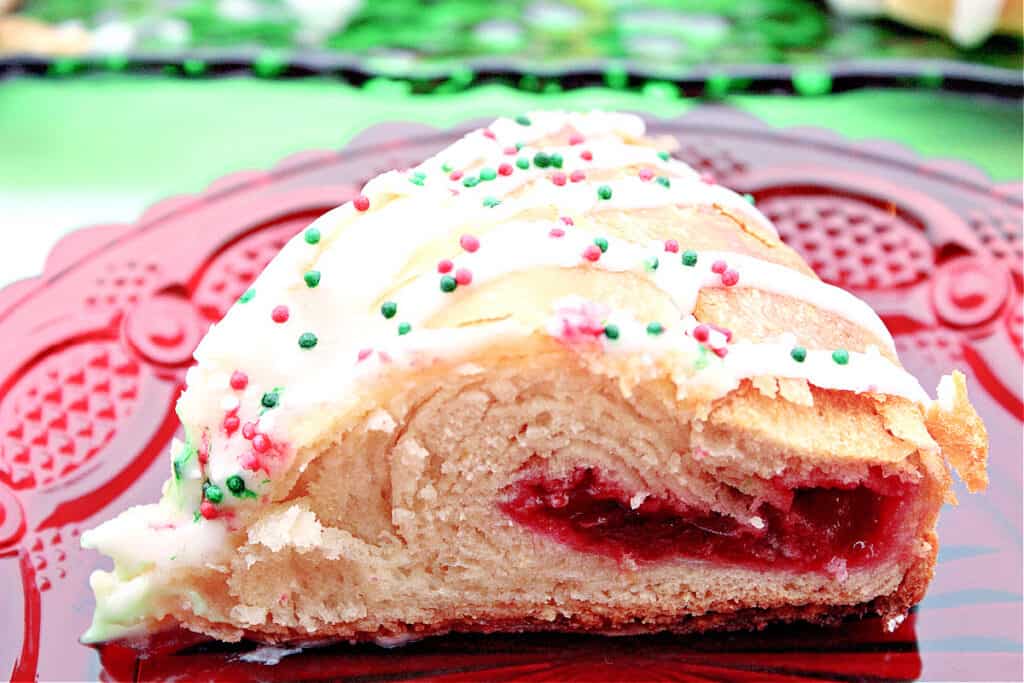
(551, 378)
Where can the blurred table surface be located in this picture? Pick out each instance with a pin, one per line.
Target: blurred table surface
(96, 149)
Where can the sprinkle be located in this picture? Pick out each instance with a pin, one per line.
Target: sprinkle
(689, 258)
(505, 169)
(651, 263)
(558, 178)
(721, 351)
(363, 355)
(488, 174)
(750, 199)
(249, 461)
(260, 443)
(708, 179)
(362, 202)
(671, 246)
(575, 139)
(604, 192)
(446, 167)
(455, 175)
(798, 353)
(523, 163)
(567, 220)
(307, 340)
(312, 236)
(279, 314)
(702, 359)
(235, 484)
(557, 232)
(541, 160)
(841, 356)
(718, 267)
(511, 150)
(417, 179)
(591, 252)
(239, 380)
(654, 329)
(463, 276)
(213, 493)
(601, 243)
(247, 296)
(519, 146)
(231, 424)
(249, 430)
(523, 120)
(611, 331)
(488, 133)
(730, 277)
(404, 328)
(645, 174)
(312, 278)
(471, 181)
(269, 400)
(663, 181)
(577, 176)
(207, 510)
(448, 283)
(491, 202)
(701, 333)
(444, 266)
(556, 160)
(587, 155)
(388, 309)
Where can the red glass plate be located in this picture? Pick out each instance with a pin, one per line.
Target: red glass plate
(94, 352)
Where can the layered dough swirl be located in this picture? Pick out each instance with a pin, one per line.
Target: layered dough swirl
(551, 378)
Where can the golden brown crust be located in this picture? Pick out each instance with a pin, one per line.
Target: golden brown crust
(961, 434)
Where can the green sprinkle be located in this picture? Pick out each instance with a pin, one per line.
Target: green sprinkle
(235, 484)
(446, 167)
(556, 160)
(470, 181)
(750, 199)
(178, 464)
(541, 160)
(488, 174)
(416, 180)
(651, 263)
(388, 309)
(611, 331)
(247, 296)
(270, 399)
(702, 358)
(491, 202)
(664, 156)
(519, 146)
(312, 278)
(654, 329)
(663, 181)
(523, 120)
(601, 243)
(195, 516)
(689, 258)
(841, 356)
(523, 163)
(404, 328)
(448, 283)
(312, 236)
(604, 192)
(798, 353)
(307, 340)
(173, 557)
(213, 493)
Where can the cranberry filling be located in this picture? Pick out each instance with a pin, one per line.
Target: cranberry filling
(825, 528)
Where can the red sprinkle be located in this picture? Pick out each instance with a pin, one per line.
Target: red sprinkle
(204, 454)
(505, 169)
(721, 351)
(718, 267)
(364, 354)
(249, 430)
(645, 174)
(592, 252)
(260, 443)
(586, 155)
(557, 232)
(444, 266)
(463, 276)
(671, 246)
(231, 424)
(279, 314)
(566, 220)
(239, 380)
(488, 133)
(362, 203)
(510, 151)
(207, 510)
(455, 175)
(730, 277)
(701, 332)
(577, 176)
(575, 139)
(249, 461)
(558, 178)
(707, 178)
(469, 243)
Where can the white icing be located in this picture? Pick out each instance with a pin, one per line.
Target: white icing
(974, 20)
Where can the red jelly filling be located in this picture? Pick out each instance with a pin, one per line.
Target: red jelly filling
(826, 527)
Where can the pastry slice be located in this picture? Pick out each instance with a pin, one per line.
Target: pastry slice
(549, 379)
